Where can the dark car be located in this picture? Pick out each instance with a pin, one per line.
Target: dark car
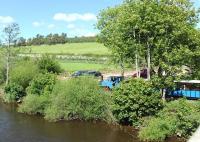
(86, 73)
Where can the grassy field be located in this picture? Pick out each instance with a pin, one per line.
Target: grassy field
(71, 66)
(92, 48)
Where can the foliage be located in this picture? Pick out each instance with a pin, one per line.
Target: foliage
(179, 117)
(135, 99)
(20, 77)
(52, 39)
(34, 104)
(23, 72)
(48, 64)
(166, 28)
(42, 84)
(2, 73)
(79, 98)
(13, 92)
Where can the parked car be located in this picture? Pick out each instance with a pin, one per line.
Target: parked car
(86, 73)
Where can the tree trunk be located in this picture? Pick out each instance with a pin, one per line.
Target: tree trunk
(148, 62)
(164, 95)
(122, 69)
(136, 64)
(8, 64)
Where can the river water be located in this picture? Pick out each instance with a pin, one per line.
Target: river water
(16, 127)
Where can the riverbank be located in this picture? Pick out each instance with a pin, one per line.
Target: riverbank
(36, 128)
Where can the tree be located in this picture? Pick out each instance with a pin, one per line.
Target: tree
(10, 36)
(163, 33)
(21, 41)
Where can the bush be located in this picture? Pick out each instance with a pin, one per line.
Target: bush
(13, 92)
(20, 76)
(42, 84)
(48, 64)
(23, 72)
(2, 74)
(79, 98)
(180, 117)
(135, 99)
(33, 104)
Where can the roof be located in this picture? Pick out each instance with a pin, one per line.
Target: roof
(189, 81)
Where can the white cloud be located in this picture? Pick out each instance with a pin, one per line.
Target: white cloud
(51, 26)
(70, 26)
(6, 20)
(74, 17)
(38, 24)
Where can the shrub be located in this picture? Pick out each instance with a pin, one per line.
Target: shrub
(33, 104)
(2, 74)
(20, 76)
(135, 99)
(13, 92)
(42, 84)
(79, 98)
(48, 64)
(23, 72)
(180, 117)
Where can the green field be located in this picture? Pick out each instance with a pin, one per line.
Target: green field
(71, 66)
(92, 48)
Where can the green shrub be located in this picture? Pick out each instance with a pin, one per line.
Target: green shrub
(135, 99)
(23, 72)
(13, 92)
(9, 98)
(2, 74)
(48, 64)
(34, 104)
(79, 98)
(42, 84)
(180, 117)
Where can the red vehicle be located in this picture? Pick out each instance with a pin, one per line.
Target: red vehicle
(143, 73)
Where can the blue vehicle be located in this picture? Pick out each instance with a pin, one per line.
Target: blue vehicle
(111, 82)
(187, 88)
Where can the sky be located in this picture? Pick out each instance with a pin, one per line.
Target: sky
(74, 17)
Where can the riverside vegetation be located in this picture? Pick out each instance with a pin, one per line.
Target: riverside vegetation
(135, 102)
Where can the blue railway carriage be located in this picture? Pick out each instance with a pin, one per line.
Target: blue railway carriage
(187, 88)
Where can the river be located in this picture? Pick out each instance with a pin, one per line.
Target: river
(16, 127)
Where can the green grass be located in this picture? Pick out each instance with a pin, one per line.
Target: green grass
(92, 48)
(72, 66)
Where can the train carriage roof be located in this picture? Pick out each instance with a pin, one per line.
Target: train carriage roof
(189, 81)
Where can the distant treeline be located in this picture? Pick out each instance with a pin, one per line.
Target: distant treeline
(53, 39)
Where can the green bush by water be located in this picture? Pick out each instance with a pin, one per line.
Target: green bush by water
(135, 99)
(79, 98)
(34, 104)
(39, 93)
(20, 76)
(48, 64)
(42, 84)
(179, 117)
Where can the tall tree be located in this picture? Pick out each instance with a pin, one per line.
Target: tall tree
(10, 33)
(161, 32)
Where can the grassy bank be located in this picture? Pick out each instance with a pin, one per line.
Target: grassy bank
(71, 66)
(92, 48)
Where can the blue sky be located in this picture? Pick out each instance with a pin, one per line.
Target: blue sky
(74, 17)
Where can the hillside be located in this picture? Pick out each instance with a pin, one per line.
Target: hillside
(90, 48)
